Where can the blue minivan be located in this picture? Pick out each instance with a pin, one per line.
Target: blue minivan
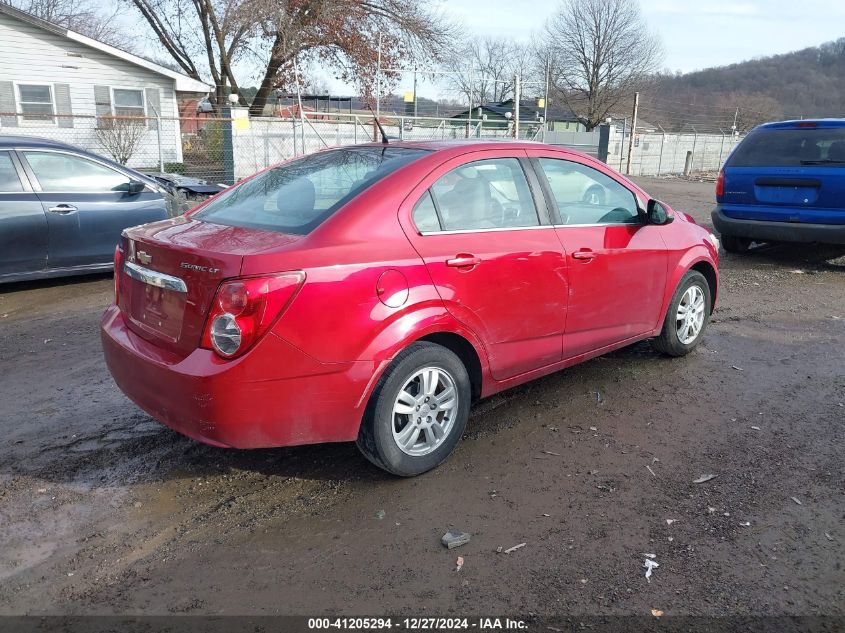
(785, 182)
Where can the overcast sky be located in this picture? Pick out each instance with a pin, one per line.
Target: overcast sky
(696, 34)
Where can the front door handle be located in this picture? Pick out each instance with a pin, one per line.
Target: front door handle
(463, 260)
(584, 254)
(62, 209)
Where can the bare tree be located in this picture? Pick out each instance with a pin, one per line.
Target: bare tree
(485, 68)
(206, 38)
(751, 109)
(95, 20)
(120, 136)
(599, 52)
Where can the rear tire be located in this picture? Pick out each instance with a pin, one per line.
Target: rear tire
(734, 244)
(417, 412)
(687, 316)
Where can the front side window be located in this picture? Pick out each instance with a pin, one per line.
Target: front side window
(298, 196)
(485, 194)
(128, 102)
(587, 196)
(60, 173)
(36, 102)
(9, 181)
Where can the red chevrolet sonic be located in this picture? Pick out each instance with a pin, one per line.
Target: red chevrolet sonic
(373, 292)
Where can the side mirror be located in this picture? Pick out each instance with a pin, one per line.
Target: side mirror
(135, 187)
(657, 213)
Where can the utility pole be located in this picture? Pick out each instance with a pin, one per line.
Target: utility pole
(633, 131)
(378, 80)
(516, 98)
(415, 91)
(546, 100)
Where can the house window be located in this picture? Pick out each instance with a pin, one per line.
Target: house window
(128, 102)
(36, 102)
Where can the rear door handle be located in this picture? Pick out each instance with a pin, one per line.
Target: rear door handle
(585, 254)
(463, 260)
(63, 209)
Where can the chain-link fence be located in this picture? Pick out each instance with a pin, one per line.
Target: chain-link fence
(226, 149)
(662, 153)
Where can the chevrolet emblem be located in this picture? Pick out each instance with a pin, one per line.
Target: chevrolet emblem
(144, 258)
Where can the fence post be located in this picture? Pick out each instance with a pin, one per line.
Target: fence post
(604, 141)
(691, 155)
(662, 141)
(355, 131)
(721, 147)
(228, 147)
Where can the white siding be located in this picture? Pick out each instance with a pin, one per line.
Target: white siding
(29, 54)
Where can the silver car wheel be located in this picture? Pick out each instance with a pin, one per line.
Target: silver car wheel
(424, 411)
(690, 316)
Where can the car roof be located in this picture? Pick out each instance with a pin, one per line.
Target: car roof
(802, 123)
(8, 142)
(462, 145)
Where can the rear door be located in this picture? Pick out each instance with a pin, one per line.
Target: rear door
(87, 205)
(23, 225)
(493, 256)
(791, 173)
(617, 265)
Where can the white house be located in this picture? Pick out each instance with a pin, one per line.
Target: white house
(60, 84)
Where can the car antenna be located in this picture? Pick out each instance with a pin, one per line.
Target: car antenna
(380, 128)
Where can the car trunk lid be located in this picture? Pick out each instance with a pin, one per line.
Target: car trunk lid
(171, 272)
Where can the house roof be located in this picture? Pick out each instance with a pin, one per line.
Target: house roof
(527, 109)
(183, 82)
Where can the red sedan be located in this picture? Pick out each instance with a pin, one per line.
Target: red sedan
(372, 293)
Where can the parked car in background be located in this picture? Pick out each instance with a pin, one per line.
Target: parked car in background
(371, 293)
(785, 182)
(62, 209)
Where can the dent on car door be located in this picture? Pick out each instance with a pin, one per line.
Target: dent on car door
(617, 264)
(23, 227)
(87, 204)
(493, 257)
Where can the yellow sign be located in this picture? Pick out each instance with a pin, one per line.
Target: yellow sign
(241, 123)
(541, 103)
(409, 97)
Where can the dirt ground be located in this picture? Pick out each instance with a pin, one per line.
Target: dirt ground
(102, 510)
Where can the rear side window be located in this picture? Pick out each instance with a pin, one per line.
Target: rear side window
(9, 180)
(791, 148)
(300, 195)
(485, 194)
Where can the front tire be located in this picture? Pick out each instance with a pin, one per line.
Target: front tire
(417, 412)
(687, 316)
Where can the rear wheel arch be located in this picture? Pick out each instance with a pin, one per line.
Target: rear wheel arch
(464, 350)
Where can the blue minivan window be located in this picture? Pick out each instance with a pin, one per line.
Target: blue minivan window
(791, 148)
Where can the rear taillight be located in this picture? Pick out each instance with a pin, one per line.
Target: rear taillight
(720, 184)
(118, 266)
(244, 309)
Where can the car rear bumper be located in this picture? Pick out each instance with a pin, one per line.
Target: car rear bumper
(274, 395)
(778, 231)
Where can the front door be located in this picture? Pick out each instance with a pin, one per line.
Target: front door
(617, 265)
(495, 261)
(87, 205)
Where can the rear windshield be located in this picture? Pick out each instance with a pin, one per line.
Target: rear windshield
(300, 195)
(791, 148)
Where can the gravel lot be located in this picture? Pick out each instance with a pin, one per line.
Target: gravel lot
(102, 510)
